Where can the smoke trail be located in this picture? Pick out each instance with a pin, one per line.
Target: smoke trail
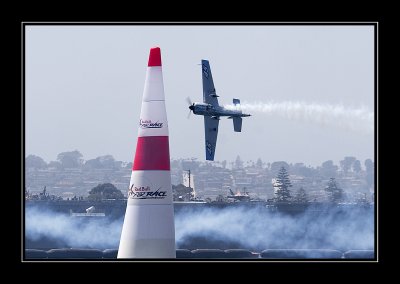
(249, 228)
(72, 231)
(258, 229)
(354, 119)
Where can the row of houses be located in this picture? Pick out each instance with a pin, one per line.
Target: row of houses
(209, 180)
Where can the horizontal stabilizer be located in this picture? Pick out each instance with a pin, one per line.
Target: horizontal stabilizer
(237, 124)
(236, 101)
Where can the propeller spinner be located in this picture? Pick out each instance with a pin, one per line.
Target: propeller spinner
(191, 106)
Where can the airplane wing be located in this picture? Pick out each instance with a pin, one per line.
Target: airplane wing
(211, 133)
(209, 95)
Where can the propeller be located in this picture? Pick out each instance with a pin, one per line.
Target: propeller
(191, 106)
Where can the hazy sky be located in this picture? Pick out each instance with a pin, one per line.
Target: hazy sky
(84, 86)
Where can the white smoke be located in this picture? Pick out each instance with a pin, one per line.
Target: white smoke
(250, 228)
(72, 231)
(258, 229)
(359, 119)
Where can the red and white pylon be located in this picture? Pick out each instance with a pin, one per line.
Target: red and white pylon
(148, 230)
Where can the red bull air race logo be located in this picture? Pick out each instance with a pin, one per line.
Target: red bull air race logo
(145, 192)
(149, 124)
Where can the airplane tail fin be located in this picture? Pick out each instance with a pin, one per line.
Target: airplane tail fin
(236, 103)
(237, 124)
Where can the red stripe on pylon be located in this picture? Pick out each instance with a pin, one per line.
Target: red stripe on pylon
(152, 153)
(155, 57)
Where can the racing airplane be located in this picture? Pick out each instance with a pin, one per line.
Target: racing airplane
(212, 111)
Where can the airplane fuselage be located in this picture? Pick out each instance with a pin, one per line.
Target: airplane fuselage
(215, 111)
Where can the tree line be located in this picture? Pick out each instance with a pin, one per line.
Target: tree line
(74, 159)
(283, 194)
